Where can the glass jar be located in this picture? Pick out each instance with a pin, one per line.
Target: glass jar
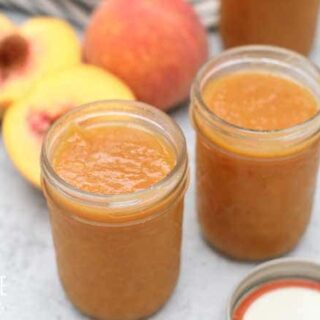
(118, 255)
(290, 24)
(255, 188)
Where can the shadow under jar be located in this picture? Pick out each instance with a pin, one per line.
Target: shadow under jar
(118, 254)
(255, 187)
(286, 23)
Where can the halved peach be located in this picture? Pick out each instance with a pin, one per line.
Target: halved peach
(28, 53)
(5, 25)
(6, 28)
(26, 122)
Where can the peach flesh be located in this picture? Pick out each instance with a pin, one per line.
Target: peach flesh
(27, 120)
(40, 121)
(14, 54)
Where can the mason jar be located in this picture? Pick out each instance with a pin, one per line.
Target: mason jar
(289, 24)
(255, 188)
(118, 255)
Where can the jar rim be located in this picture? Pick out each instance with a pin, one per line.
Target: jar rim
(248, 132)
(114, 200)
(276, 269)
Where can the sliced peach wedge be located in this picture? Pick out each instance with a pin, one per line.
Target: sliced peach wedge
(29, 52)
(26, 122)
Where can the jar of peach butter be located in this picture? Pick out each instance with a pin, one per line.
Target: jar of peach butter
(114, 174)
(256, 114)
(290, 24)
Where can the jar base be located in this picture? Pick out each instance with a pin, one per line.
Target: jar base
(93, 315)
(248, 258)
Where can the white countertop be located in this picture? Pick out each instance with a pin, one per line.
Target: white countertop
(27, 265)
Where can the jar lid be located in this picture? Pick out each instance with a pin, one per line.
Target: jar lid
(280, 289)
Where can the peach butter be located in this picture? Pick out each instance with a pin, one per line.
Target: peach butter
(256, 117)
(112, 159)
(289, 24)
(114, 174)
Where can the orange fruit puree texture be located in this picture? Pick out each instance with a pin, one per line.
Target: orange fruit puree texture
(255, 204)
(112, 159)
(287, 24)
(117, 249)
(259, 101)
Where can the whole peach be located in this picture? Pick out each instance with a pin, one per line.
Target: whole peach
(156, 47)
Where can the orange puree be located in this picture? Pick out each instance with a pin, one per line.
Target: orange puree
(259, 101)
(114, 176)
(112, 159)
(255, 187)
(290, 24)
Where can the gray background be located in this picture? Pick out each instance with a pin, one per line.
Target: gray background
(33, 291)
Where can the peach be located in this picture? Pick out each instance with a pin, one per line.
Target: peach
(156, 47)
(28, 53)
(5, 25)
(26, 122)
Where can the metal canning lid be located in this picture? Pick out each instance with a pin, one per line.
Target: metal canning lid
(280, 269)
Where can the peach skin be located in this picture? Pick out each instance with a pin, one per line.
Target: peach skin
(156, 47)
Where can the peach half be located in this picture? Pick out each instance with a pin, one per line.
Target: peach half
(6, 25)
(27, 121)
(27, 53)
